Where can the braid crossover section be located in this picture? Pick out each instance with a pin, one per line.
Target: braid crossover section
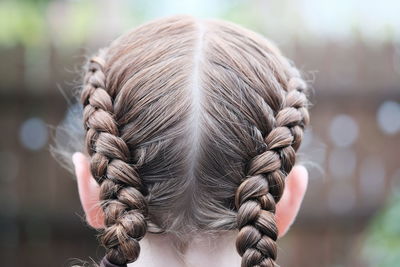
(257, 195)
(124, 205)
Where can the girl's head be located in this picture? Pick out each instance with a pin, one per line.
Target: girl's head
(192, 127)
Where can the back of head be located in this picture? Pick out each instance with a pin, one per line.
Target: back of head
(191, 127)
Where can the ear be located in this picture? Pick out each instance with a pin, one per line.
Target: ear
(89, 191)
(289, 205)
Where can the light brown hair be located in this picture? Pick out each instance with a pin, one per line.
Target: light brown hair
(192, 126)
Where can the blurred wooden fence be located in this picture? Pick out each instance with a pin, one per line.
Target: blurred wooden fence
(41, 219)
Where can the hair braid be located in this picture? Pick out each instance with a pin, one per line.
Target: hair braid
(210, 115)
(124, 205)
(257, 195)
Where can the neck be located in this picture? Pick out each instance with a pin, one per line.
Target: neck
(203, 250)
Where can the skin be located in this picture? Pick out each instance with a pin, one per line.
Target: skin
(203, 251)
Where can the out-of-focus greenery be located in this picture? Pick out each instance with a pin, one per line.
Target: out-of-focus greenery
(30, 23)
(72, 23)
(382, 244)
(21, 22)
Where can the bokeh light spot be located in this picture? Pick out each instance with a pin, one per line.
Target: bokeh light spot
(388, 117)
(343, 130)
(33, 134)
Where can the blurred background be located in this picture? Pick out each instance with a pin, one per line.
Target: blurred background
(348, 50)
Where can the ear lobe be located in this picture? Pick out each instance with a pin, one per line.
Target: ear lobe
(89, 191)
(289, 205)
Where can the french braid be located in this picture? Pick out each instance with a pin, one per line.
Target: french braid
(257, 195)
(124, 205)
(139, 96)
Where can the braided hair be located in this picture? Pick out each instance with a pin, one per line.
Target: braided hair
(257, 195)
(191, 127)
(121, 188)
